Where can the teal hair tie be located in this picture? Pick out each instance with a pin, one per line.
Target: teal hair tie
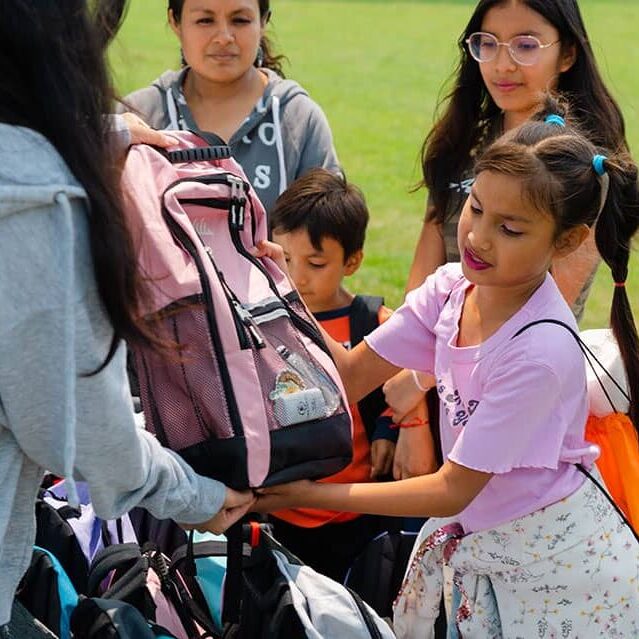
(555, 119)
(598, 164)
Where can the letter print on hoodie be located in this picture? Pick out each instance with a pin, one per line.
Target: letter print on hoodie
(285, 135)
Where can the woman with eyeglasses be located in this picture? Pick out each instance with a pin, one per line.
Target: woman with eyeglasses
(511, 53)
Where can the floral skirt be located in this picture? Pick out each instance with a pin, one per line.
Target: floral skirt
(569, 571)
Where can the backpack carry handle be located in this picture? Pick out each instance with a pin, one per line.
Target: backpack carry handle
(197, 154)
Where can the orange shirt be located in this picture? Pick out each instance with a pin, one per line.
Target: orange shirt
(336, 324)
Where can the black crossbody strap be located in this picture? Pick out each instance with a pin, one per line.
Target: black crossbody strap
(588, 354)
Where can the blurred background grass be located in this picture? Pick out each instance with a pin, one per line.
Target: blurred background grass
(378, 68)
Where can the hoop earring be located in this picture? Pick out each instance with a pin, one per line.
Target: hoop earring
(259, 58)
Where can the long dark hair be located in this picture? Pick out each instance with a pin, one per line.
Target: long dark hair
(269, 60)
(55, 81)
(555, 165)
(470, 109)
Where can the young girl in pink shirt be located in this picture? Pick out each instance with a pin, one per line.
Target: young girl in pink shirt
(536, 547)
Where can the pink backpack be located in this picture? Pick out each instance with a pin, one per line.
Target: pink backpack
(252, 397)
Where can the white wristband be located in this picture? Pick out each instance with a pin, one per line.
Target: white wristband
(418, 383)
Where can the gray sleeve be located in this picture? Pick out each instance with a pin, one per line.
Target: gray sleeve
(149, 103)
(119, 134)
(317, 149)
(53, 408)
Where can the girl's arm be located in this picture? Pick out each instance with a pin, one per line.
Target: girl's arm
(430, 253)
(442, 494)
(361, 369)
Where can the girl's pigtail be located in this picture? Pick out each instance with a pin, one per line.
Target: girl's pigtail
(618, 222)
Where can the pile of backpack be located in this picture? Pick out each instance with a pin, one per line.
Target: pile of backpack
(139, 577)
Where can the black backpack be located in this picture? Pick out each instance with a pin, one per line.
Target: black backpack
(96, 618)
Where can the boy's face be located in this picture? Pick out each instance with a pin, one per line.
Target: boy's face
(318, 274)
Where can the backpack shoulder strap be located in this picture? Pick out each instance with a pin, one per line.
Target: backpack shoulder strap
(363, 318)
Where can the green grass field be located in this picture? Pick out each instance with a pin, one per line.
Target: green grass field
(377, 67)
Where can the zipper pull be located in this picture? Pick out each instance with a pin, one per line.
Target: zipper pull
(251, 326)
(238, 202)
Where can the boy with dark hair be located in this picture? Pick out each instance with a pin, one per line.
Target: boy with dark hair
(320, 222)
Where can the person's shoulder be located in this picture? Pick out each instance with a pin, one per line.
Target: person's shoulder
(546, 333)
(28, 158)
(148, 102)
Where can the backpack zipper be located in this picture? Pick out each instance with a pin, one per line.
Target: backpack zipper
(309, 329)
(185, 240)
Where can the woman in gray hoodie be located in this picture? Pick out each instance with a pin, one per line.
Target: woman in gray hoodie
(69, 291)
(232, 85)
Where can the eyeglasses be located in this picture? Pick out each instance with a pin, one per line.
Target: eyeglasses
(523, 49)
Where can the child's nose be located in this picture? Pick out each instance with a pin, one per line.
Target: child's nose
(479, 237)
(504, 61)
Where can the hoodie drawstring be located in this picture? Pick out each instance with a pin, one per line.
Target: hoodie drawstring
(279, 144)
(171, 111)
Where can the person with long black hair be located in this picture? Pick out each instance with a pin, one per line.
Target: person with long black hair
(511, 53)
(70, 291)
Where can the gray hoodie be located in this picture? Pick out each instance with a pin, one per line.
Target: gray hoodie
(53, 328)
(284, 136)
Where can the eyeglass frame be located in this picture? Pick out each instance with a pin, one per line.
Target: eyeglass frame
(508, 45)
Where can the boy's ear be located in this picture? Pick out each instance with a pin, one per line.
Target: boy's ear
(353, 262)
(570, 240)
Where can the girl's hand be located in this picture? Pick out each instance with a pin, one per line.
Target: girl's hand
(236, 505)
(415, 451)
(273, 251)
(382, 454)
(142, 133)
(402, 395)
(289, 495)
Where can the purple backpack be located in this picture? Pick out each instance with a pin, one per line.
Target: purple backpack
(251, 397)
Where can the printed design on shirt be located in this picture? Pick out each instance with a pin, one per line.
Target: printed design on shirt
(262, 176)
(264, 173)
(462, 187)
(458, 414)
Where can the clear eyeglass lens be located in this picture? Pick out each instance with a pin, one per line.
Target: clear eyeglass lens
(523, 49)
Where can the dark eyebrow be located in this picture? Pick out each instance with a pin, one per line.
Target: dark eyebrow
(504, 216)
(523, 33)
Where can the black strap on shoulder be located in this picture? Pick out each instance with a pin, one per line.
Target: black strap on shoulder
(590, 356)
(363, 319)
(364, 316)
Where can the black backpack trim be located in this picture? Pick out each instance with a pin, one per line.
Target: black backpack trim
(363, 319)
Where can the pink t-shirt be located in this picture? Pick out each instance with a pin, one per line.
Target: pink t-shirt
(512, 406)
